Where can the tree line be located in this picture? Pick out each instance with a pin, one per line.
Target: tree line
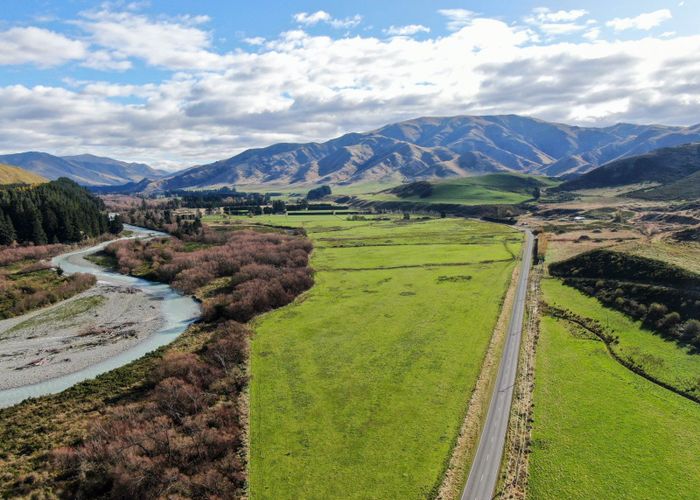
(59, 211)
(665, 298)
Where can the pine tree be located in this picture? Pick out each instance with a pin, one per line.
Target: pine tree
(7, 230)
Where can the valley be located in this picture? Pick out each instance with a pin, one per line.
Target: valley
(346, 326)
(349, 250)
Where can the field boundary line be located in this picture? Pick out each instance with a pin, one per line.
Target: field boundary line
(572, 317)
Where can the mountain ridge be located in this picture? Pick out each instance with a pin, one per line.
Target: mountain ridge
(673, 171)
(85, 169)
(435, 147)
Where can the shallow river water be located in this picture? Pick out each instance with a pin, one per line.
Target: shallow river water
(178, 312)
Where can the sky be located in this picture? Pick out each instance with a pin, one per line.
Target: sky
(176, 83)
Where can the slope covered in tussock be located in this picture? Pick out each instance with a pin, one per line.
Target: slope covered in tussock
(16, 175)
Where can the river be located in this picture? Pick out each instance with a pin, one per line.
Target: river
(178, 312)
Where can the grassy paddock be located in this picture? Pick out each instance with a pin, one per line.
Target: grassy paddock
(601, 431)
(375, 365)
(662, 359)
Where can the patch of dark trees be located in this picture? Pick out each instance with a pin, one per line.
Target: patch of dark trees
(318, 193)
(503, 214)
(665, 298)
(421, 189)
(224, 197)
(669, 218)
(184, 437)
(690, 234)
(56, 212)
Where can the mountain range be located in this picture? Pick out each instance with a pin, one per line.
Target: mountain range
(88, 170)
(426, 148)
(418, 149)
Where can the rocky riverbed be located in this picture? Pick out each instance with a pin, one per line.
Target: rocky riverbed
(76, 333)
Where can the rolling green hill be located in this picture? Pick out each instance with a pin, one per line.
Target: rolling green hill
(16, 175)
(478, 190)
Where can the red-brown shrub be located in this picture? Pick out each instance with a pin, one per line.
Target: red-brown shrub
(10, 255)
(184, 438)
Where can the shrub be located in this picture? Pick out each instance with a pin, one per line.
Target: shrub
(669, 321)
(656, 312)
(183, 438)
(691, 331)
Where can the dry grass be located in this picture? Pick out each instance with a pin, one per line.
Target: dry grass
(564, 246)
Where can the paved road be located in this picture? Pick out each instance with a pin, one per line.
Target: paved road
(484, 473)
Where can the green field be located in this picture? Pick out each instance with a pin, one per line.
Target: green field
(359, 388)
(601, 431)
(663, 360)
(478, 190)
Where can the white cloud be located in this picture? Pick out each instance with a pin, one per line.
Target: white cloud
(641, 22)
(321, 16)
(592, 34)
(348, 22)
(312, 19)
(408, 30)
(39, 47)
(557, 23)
(546, 15)
(172, 44)
(301, 87)
(256, 40)
(561, 28)
(457, 18)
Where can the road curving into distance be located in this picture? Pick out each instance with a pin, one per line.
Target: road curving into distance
(177, 311)
(483, 476)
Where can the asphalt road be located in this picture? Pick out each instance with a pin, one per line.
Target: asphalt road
(484, 472)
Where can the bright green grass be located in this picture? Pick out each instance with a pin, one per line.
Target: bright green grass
(358, 389)
(477, 190)
(662, 359)
(601, 431)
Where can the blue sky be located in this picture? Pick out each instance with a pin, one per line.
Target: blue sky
(175, 83)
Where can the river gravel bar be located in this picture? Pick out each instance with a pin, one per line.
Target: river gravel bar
(75, 333)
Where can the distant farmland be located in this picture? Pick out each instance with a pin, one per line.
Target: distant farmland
(375, 365)
(489, 189)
